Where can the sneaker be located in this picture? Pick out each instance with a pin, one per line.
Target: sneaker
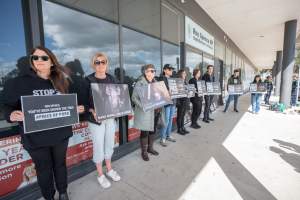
(103, 181)
(113, 175)
(171, 139)
(163, 142)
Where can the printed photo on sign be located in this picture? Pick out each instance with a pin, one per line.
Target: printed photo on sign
(191, 90)
(201, 88)
(235, 89)
(258, 88)
(49, 112)
(176, 88)
(213, 88)
(111, 100)
(153, 95)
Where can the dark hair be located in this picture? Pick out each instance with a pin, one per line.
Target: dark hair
(208, 66)
(180, 72)
(257, 76)
(57, 76)
(236, 70)
(195, 71)
(145, 67)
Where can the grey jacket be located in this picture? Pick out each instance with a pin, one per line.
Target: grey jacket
(142, 120)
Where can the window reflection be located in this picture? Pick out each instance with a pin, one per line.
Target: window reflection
(13, 61)
(193, 60)
(171, 54)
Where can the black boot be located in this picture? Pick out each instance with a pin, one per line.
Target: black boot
(63, 196)
(185, 131)
(180, 131)
(144, 145)
(150, 145)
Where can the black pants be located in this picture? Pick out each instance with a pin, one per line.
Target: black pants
(208, 100)
(181, 110)
(145, 134)
(50, 162)
(197, 109)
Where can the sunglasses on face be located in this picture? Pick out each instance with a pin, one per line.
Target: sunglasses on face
(100, 62)
(36, 58)
(152, 71)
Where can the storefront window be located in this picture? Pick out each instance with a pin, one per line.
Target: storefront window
(75, 37)
(171, 55)
(171, 25)
(193, 60)
(13, 60)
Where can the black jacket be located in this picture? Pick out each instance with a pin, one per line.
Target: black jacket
(207, 78)
(196, 98)
(89, 99)
(31, 84)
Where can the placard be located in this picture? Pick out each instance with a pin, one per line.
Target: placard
(201, 88)
(213, 88)
(191, 90)
(111, 100)
(235, 89)
(258, 88)
(153, 95)
(176, 88)
(49, 112)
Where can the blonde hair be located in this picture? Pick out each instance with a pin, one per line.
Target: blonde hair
(97, 55)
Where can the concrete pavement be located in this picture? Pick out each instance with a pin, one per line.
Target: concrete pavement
(238, 156)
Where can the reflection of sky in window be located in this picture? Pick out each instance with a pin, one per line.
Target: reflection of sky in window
(12, 41)
(138, 50)
(171, 54)
(74, 35)
(193, 60)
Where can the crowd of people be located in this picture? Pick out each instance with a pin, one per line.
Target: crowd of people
(48, 148)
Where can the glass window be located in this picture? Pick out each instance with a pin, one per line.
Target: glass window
(171, 54)
(138, 50)
(12, 46)
(193, 60)
(142, 15)
(75, 37)
(107, 9)
(170, 24)
(219, 50)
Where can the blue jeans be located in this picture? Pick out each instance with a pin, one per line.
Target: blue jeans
(167, 129)
(255, 102)
(235, 98)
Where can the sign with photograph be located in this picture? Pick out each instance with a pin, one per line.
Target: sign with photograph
(201, 88)
(235, 89)
(258, 88)
(177, 88)
(191, 90)
(49, 112)
(213, 88)
(111, 100)
(153, 95)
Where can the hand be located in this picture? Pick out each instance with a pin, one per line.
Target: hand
(95, 115)
(16, 116)
(80, 109)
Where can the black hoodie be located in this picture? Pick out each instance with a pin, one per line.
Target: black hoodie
(31, 84)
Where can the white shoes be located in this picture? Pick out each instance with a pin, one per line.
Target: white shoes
(104, 182)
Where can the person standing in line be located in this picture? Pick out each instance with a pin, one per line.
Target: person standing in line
(102, 131)
(256, 97)
(269, 86)
(169, 110)
(197, 100)
(208, 77)
(233, 80)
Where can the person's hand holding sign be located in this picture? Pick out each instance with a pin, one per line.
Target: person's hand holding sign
(95, 115)
(80, 109)
(16, 116)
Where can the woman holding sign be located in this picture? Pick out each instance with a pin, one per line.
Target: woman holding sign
(47, 148)
(255, 97)
(103, 131)
(145, 121)
(197, 100)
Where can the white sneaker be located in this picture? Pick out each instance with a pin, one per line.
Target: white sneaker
(103, 181)
(113, 175)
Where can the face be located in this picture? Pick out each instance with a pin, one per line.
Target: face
(168, 72)
(210, 70)
(100, 65)
(150, 73)
(198, 75)
(236, 74)
(41, 61)
(257, 79)
(183, 75)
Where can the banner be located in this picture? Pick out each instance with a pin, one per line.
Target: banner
(111, 100)
(235, 89)
(258, 88)
(153, 95)
(201, 88)
(176, 88)
(213, 88)
(191, 90)
(49, 112)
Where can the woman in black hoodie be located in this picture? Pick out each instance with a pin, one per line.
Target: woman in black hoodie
(47, 148)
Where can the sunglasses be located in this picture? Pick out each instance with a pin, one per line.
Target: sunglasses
(152, 71)
(36, 58)
(100, 62)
